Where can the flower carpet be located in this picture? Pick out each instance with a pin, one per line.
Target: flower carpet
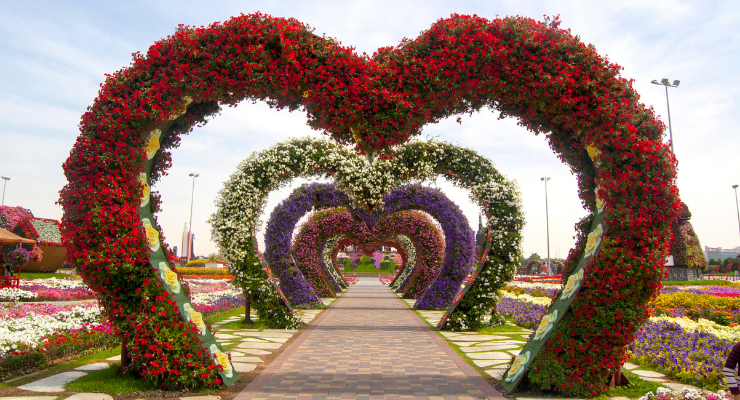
(688, 335)
(250, 349)
(46, 319)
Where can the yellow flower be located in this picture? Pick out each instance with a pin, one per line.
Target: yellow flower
(152, 144)
(572, 285)
(223, 360)
(306, 93)
(600, 203)
(145, 190)
(594, 239)
(548, 321)
(517, 367)
(169, 277)
(152, 236)
(593, 152)
(196, 318)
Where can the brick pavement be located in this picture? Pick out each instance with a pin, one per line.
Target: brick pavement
(368, 345)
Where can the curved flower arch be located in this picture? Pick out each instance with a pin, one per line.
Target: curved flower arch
(326, 224)
(534, 71)
(459, 247)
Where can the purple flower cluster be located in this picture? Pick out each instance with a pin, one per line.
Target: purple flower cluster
(691, 357)
(525, 314)
(279, 234)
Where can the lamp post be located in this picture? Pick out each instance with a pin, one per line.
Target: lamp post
(190, 227)
(737, 207)
(6, 179)
(665, 83)
(547, 222)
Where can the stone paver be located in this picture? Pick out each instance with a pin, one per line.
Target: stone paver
(29, 398)
(89, 396)
(54, 383)
(255, 345)
(93, 367)
(629, 366)
(201, 398)
(369, 346)
(647, 374)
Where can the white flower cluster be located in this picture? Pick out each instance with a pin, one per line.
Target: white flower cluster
(29, 329)
(16, 294)
(704, 325)
(410, 248)
(241, 202)
(536, 285)
(54, 283)
(213, 297)
(684, 394)
(326, 257)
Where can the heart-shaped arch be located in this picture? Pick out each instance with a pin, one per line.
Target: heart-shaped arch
(459, 246)
(531, 70)
(320, 226)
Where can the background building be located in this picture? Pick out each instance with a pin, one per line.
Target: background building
(719, 253)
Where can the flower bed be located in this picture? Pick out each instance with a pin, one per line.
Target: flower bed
(49, 289)
(31, 335)
(684, 394)
(690, 350)
(187, 271)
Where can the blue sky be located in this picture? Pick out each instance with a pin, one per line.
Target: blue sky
(55, 55)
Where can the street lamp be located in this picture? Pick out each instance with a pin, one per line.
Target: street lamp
(6, 179)
(190, 227)
(737, 207)
(665, 83)
(547, 222)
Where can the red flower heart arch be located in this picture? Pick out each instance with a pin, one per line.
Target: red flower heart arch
(322, 225)
(534, 71)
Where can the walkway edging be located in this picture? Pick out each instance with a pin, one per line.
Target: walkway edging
(489, 391)
(253, 387)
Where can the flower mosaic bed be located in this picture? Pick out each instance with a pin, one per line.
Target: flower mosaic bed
(688, 336)
(50, 289)
(31, 335)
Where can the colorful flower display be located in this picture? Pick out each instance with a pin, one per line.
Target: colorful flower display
(534, 71)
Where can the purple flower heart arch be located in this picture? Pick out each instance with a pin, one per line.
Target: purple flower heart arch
(321, 226)
(459, 246)
(534, 71)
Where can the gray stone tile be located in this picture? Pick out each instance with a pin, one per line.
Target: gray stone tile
(93, 367)
(54, 383)
(647, 374)
(89, 396)
(243, 367)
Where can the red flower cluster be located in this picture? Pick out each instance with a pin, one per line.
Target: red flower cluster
(534, 71)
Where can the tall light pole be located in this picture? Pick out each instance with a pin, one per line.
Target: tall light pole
(737, 207)
(665, 83)
(547, 222)
(6, 179)
(190, 227)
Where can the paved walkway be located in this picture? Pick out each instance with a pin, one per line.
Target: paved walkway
(368, 345)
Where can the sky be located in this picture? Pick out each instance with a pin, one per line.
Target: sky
(55, 56)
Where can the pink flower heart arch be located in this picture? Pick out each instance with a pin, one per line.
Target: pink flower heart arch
(322, 225)
(533, 71)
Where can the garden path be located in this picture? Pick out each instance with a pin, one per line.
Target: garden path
(369, 345)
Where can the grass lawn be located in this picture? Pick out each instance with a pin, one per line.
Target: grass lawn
(44, 275)
(636, 388)
(110, 381)
(366, 265)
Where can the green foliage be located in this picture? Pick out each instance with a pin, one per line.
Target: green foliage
(111, 381)
(264, 297)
